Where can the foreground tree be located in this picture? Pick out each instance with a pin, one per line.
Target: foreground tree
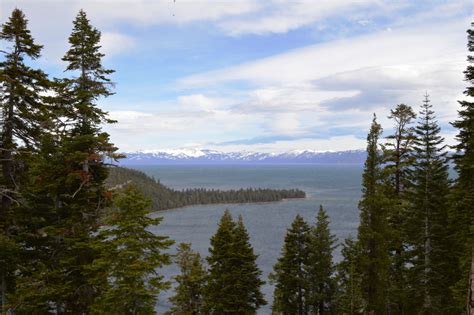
(320, 268)
(462, 210)
(22, 114)
(130, 255)
(289, 275)
(398, 159)
(428, 218)
(233, 284)
(191, 281)
(373, 236)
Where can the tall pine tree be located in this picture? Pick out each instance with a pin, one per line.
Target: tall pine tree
(22, 116)
(428, 218)
(373, 228)
(320, 267)
(397, 162)
(462, 208)
(289, 273)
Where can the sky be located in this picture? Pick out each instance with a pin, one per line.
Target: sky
(267, 76)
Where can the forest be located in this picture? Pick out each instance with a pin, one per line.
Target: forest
(71, 244)
(164, 198)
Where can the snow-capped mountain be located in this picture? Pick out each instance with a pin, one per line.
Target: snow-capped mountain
(203, 156)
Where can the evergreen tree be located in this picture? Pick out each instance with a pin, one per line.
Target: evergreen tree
(398, 159)
(233, 284)
(130, 255)
(462, 201)
(22, 116)
(428, 218)
(372, 236)
(349, 280)
(191, 281)
(320, 268)
(289, 273)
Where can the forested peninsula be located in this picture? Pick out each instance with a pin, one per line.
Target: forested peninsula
(164, 198)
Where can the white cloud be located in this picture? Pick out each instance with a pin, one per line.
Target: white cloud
(115, 43)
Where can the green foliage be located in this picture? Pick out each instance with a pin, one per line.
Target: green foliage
(349, 298)
(289, 273)
(373, 229)
(426, 222)
(233, 284)
(23, 116)
(130, 255)
(188, 298)
(166, 198)
(320, 268)
(462, 199)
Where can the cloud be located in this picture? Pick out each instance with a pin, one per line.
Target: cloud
(284, 16)
(115, 43)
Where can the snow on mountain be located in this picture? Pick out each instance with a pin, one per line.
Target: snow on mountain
(204, 156)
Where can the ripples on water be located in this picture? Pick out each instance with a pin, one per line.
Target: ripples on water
(336, 187)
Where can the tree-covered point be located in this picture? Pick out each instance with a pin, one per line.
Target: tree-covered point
(167, 198)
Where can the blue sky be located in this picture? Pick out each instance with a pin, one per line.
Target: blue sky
(267, 76)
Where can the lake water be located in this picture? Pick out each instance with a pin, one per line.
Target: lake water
(336, 187)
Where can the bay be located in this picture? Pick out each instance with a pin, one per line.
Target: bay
(336, 187)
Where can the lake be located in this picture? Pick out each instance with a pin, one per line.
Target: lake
(336, 187)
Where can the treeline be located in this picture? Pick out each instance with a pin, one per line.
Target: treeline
(163, 197)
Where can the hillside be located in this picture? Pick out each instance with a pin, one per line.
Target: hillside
(166, 198)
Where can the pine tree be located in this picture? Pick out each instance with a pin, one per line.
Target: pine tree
(398, 159)
(22, 116)
(130, 255)
(462, 208)
(289, 273)
(250, 275)
(87, 148)
(320, 268)
(372, 236)
(428, 218)
(349, 299)
(233, 284)
(191, 281)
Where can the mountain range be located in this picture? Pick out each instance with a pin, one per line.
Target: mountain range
(212, 157)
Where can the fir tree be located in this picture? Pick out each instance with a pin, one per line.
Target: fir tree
(289, 273)
(462, 201)
(22, 119)
(130, 255)
(372, 236)
(428, 218)
(349, 299)
(320, 268)
(191, 281)
(398, 160)
(233, 284)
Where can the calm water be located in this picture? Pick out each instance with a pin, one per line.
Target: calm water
(337, 188)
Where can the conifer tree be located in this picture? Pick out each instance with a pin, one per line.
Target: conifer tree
(289, 273)
(372, 236)
(462, 201)
(349, 300)
(130, 255)
(233, 284)
(398, 159)
(191, 281)
(84, 194)
(428, 218)
(320, 267)
(22, 116)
